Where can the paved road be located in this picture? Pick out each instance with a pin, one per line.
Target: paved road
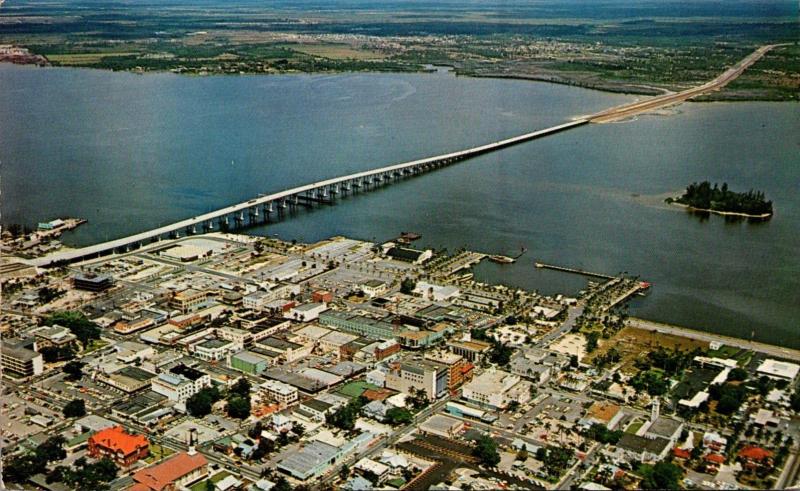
(771, 350)
(659, 102)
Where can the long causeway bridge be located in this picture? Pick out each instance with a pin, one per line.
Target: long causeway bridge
(258, 210)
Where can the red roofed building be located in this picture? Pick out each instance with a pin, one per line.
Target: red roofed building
(713, 461)
(681, 453)
(174, 473)
(118, 445)
(754, 456)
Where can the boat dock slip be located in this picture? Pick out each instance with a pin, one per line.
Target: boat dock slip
(574, 271)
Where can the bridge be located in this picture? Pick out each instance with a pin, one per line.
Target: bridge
(258, 210)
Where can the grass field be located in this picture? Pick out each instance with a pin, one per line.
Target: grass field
(634, 343)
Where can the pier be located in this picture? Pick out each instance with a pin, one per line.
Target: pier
(575, 271)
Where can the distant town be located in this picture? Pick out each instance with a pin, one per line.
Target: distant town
(223, 362)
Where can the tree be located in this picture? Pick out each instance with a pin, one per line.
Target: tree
(500, 353)
(298, 429)
(419, 399)
(344, 472)
(74, 370)
(663, 475)
(239, 407)
(240, 388)
(407, 286)
(51, 354)
(200, 404)
(19, 469)
(399, 416)
(555, 460)
(486, 451)
(738, 374)
(52, 449)
(84, 329)
(76, 408)
(281, 484)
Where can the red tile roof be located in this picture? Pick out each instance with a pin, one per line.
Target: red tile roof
(753, 452)
(117, 439)
(715, 458)
(681, 453)
(157, 477)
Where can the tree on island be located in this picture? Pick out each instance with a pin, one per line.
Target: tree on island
(705, 197)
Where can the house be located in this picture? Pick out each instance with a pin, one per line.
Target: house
(375, 410)
(714, 441)
(173, 474)
(115, 443)
(712, 462)
(373, 288)
(755, 457)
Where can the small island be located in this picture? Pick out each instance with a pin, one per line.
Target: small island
(720, 200)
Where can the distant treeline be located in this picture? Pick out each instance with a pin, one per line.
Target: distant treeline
(705, 197)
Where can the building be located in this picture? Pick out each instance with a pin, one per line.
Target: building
(198, 378)
(92, 282)
(174, 387)
(128, 379)
(373, 288)
(460, 370)
(441, 425)
(409, 255)
(115, 443)
(279, 392)
(779, 370)
(175, 473)
(604, 413)
(428, 376)
(472, 351)
(358, 324)
(54, 336)
(21, 361)
(250, 362)
(420, 339)
(644, 449)
(306, 312)
(213, 349)
(491, 388)
(436, 293)
(287, 350)
(189, 300)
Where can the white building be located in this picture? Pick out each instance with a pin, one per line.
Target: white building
(491, 388)
(280, 392)
(214, 349)
(780, 370)
(436, 293)
(174, 387)
(306, 312)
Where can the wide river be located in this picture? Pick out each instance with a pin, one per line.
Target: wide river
(131, 152)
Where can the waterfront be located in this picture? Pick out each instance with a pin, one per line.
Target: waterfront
(160, 148)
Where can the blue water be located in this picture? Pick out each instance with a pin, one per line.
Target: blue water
(131, 152)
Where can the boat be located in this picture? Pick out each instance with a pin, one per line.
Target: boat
(501, 259)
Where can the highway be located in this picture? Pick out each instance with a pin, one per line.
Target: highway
(659, 102)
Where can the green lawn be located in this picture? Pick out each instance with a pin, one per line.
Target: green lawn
(201, 485)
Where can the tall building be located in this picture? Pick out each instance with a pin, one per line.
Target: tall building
(425, 375)
(21, 361)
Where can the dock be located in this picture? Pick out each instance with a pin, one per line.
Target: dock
(574, 271)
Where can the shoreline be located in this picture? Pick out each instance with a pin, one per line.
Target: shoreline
(690, 333)
(763, 216)
(622, 88)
